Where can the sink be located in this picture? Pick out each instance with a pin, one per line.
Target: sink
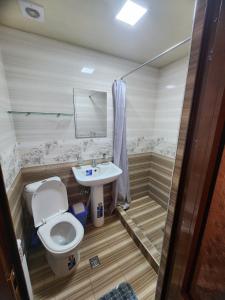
(99, 175)
(96, 177)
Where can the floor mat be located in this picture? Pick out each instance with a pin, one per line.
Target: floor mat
(123, 292)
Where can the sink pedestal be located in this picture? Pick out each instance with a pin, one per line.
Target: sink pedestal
(96, 177)
(97, 205)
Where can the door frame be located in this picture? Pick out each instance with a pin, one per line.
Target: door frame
(200, 59)
(201, 139)
(10, 258)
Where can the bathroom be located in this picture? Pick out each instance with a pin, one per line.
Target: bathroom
(60, 71)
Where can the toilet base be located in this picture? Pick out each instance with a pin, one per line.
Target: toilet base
(63, 265)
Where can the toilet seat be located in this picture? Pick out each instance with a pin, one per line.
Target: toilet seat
(58, 230)
(49, 200)
(53, 241)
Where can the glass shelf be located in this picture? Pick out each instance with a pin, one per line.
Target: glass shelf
(28, 113)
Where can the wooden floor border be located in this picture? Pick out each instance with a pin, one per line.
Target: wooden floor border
(147, 248)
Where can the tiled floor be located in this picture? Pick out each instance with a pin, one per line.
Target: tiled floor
(120, 258)
(150, 217)
(145, 221)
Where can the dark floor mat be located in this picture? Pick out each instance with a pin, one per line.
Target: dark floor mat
(123, 292)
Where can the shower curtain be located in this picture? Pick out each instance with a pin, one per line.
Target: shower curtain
(121, 187)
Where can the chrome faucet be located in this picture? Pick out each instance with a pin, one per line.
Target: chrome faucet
(79, 160)
(94, 164)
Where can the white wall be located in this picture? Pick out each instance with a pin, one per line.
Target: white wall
(8, 154)
(168, 106)
(41, 74)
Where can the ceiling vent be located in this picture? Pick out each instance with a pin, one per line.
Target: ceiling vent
(32, 11)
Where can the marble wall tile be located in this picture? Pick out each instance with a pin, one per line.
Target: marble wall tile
(10, 163)
(8, 154)
(165, 148)
(61, 151)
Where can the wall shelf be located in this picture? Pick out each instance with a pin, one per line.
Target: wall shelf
(28, 113)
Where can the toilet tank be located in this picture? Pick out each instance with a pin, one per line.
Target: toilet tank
(31, 188)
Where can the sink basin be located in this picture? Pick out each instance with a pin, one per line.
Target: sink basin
(101, 174)
(96, 177)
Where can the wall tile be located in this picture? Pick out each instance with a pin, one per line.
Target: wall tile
(10, 164)
(8, 155)
(41, 74)
(169, 102)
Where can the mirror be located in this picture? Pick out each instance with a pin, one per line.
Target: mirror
(90, 113)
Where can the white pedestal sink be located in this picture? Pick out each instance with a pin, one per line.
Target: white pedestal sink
(96, 177)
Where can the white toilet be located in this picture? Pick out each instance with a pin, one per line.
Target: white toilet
(59, 231)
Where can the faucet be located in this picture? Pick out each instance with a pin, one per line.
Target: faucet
(94, 164)
(104, 160)
(79, 160)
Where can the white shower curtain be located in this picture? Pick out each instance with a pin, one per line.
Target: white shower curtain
(121, 187)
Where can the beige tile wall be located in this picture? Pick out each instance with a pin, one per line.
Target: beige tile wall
(8, 158)
(160, 178)
(150, 175)
(169, 103)
(41, 74)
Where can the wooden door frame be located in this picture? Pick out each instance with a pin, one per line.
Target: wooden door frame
(200, 60)
(201, 139)
(10, 258)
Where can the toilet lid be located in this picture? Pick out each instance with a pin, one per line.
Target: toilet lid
(49, 200)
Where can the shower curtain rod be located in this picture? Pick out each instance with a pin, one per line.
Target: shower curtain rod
(156, 57)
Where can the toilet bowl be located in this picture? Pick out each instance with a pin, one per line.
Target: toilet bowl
(58, 230)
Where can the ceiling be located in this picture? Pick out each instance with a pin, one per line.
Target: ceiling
(92, 24)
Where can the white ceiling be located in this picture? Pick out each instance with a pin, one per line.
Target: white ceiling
(92, 24)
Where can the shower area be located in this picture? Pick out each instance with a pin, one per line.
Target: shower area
(151, 156)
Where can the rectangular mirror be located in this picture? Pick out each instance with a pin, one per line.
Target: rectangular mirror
(90, 113)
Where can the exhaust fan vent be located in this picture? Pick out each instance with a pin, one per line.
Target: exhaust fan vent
(32, 11)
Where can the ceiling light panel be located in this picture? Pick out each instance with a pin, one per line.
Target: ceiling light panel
(131, 13)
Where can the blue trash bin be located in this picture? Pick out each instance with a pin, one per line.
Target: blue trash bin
(80, 212)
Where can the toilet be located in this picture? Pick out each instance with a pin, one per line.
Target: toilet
(59, 231)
